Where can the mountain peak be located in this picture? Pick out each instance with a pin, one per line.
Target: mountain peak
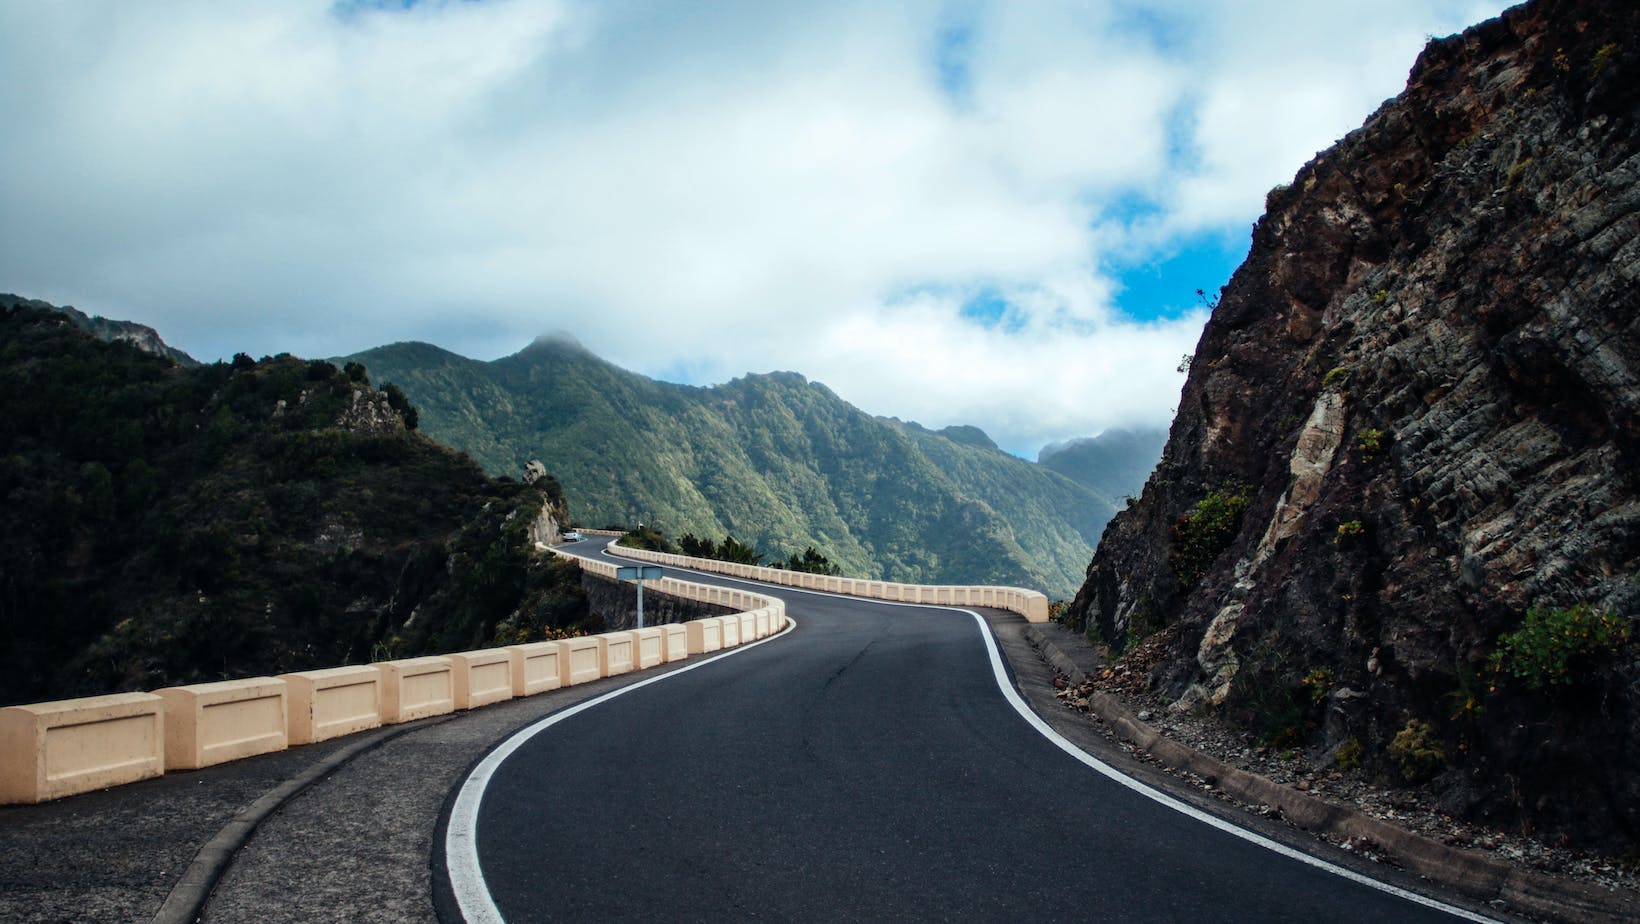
(558, 340)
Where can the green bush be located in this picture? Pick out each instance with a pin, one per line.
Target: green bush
(1319, 682)
(1371, 441)
(1349, 755)
(1199, 536)
(1417, 751)
(1550, 643)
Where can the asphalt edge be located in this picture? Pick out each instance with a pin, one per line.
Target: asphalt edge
(1466, 872)
(186, 901)
(446, 893)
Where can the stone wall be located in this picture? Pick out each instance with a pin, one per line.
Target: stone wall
(617, 603)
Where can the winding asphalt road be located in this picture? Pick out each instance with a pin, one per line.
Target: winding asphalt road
(867, 765)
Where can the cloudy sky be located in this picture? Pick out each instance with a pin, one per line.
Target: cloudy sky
(994, 213)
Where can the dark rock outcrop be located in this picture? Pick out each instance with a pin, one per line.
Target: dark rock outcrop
(1414, 417)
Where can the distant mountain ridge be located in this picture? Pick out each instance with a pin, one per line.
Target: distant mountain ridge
(1115, 462)
(774, 459)
(142, 336)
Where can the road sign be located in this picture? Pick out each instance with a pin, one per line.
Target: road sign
(639, 573)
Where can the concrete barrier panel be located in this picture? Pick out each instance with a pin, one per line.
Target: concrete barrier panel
(56, 749)
(748, 626)
(415, 688)
(704, 635)
(614, 653)
(329, 703)
(674, 642)
(731, 630)
(648, 647)
(481, 677)
(209, 723)
(535, 668)
(1036, 608)
(578, 660)
(762, 622)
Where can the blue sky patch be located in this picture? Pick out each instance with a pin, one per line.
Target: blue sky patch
(1165, 286)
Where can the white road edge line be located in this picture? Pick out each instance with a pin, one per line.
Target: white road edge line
(1000, 674)
(1156, 795)
(467, 883)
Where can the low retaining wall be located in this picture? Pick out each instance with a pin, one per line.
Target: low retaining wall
(50, 750)
(415, 688)
(209, 723)
(535, 668)
(1028, 603)
(482, 677)
(578, 660)
(329, 703)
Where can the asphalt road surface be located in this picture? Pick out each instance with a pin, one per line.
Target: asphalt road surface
(866, 766)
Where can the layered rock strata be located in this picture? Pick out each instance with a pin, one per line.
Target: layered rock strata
(1413, 418)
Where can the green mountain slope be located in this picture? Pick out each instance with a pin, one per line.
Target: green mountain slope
(773, 459)
(165, 524)
(1114, 463)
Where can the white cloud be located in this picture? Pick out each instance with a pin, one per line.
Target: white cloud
(722, 188)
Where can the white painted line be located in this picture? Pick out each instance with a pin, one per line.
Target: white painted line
(1156, 795)
(461, 834)
(1064, 744)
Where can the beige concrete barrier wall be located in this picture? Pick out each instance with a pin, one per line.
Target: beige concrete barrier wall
(481, 677)
(329, 703)
(704, 635)
(1030, 604)
(415, 688)
(731, 629)
(535, 668)
(614, 653)
(674, 642)
(55, 749)
(578, 660)
(647, 647)
(208, 723)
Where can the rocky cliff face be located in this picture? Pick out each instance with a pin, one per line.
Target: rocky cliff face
(1414, 418)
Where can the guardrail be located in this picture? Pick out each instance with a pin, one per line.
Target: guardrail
(1030, 604)
(56, 749)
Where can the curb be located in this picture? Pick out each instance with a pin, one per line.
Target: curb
(186, 901)
(1466, 872)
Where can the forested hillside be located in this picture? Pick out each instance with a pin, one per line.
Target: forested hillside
(165, 524)
(774, 460)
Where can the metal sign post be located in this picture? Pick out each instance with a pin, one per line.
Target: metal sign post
(639, 573)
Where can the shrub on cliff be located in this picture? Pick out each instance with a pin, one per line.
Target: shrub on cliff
(1199, 536)
(1551, 644)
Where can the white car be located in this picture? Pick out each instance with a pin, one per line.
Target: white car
(572, 536)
